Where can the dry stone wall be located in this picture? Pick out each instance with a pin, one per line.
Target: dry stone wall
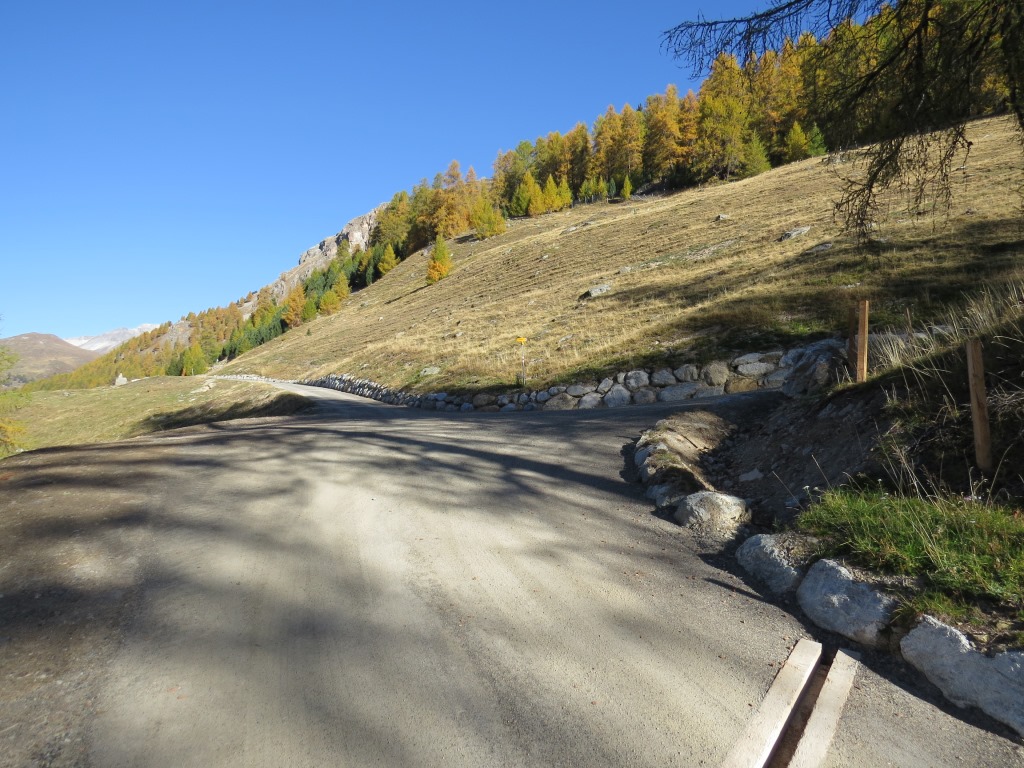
(802, 370)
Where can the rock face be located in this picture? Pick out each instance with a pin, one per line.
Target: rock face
(832, 599)
(967, 677)
(712, 512)
(764, 558)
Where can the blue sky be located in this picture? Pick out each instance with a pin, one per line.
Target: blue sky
(159, 158)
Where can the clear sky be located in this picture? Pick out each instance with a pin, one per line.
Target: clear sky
(163, 157)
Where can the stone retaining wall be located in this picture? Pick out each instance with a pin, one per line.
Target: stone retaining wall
(796, 371)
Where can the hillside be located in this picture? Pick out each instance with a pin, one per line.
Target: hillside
(41, 355)
(691, 275)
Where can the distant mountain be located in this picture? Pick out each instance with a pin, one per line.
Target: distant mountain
(105, 342)
(42, 354)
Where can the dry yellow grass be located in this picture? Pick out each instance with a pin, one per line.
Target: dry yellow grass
(77, 416)
(684, 285)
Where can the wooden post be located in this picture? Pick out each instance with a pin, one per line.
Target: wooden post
(979, 407)
(862, 342)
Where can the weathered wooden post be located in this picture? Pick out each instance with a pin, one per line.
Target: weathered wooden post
(979, 407)
(862, 342)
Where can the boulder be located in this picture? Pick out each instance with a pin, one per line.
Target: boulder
(120, 381)
(798, 232)
(645, 396)
(590, 400)
(467, 407)
(663, 377)
(967, 677)
(678, 392)
(715, 374)
(430, 370)
(636, 379)
(508, 408)
(755, 370)
(764, 557)
(712, 512)
(543, 397)
(818, 365)
(617, 396)
(832, 599)
(597, 290)
(579, 390)
(562, 402)
(605, 385)
(687, 372)
(752, 357)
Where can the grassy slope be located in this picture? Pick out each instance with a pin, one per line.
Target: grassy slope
(79, 416)
(684, 285)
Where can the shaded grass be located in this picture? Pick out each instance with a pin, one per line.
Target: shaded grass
(961, 550)
(73, 417)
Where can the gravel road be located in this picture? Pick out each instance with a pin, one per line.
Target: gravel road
(367, 585)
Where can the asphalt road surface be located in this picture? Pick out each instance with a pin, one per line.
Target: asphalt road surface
(376, 586)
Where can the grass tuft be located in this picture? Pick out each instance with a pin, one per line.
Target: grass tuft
(960, 549)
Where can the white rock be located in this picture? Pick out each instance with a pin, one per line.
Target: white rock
(751, 476)
(752, 357)
(763, 557)
(687, 372)
(678, 392)
(636, 379)
(617, 396)
(832, 599)
(715, 374)
(712, 511)
(561, 402)
(663, 377)
(579, 390)
(590, 400)
(755, 370)
(645, 396)
(966, 676)
(795, 233)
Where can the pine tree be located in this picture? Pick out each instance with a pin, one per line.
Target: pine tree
(723, 130)
(627, 188)
(440, 263)
(755, 157)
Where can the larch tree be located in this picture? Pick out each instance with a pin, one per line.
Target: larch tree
(929, 70)
(662, 144)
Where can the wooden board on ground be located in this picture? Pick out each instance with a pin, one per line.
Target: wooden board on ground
(821, 728)
(754, 748)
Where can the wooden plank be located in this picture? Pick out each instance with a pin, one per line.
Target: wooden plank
(754, 748)
(821, 727)
(862, 342)
(979, 407)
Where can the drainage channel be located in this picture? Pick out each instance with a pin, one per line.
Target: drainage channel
(797, 719)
